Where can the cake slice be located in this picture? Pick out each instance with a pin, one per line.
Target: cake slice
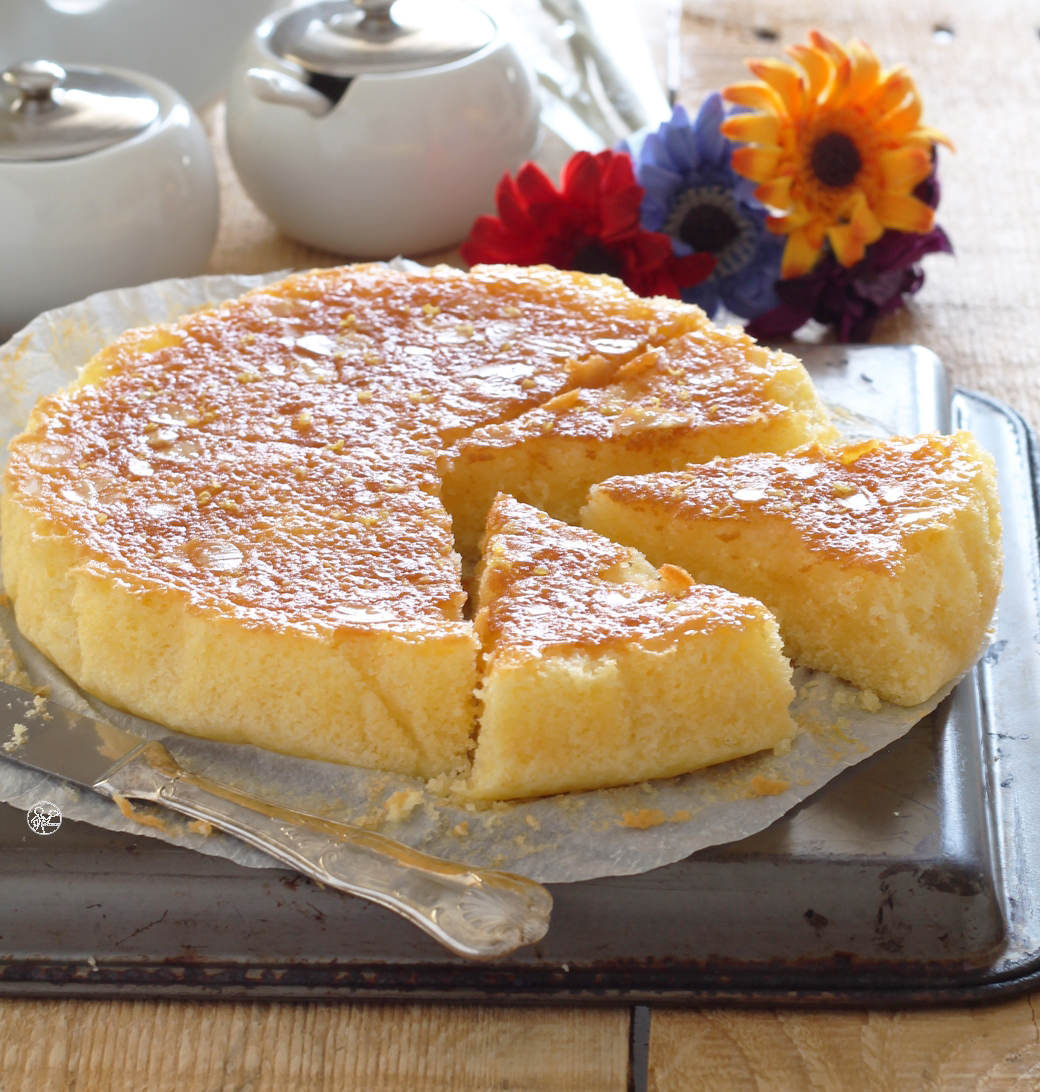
(881, 560)
(710, 392)
(600, 670)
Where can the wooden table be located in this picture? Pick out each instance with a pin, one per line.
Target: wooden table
(978, 68)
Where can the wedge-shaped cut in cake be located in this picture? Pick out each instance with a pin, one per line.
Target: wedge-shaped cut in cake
(231, 523)
(600, 670)
(711, 392)
(881, 560)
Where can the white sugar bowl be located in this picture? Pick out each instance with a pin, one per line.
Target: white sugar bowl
(106, 181)
(373, 128)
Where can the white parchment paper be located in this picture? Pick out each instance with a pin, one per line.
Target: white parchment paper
(563, 838)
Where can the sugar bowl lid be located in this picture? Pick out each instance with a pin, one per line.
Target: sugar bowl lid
(49, 112)
(345, 38)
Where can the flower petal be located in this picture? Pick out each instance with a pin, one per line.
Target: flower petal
(489, 242)
(512, 208)
(904, 213)
(758, 164)
(816, 66)
(580, 179)
(903, 119)
(839, 58)
(864, 71)
(679, 148)
(935, 136)
(709, 142)
(754, 129)
(755, 96)
(903, 168)
(534, 184)
(776, 192)
(783, 79)
(800, 254)
(848, 242)
(893, 91)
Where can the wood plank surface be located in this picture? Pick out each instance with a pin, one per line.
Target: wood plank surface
(995, 1048)
(163, 1046)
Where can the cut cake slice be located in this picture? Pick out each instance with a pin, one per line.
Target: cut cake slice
(710, 392)
(881, 560)
(599, 670)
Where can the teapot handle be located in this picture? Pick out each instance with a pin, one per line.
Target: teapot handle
(271, 86)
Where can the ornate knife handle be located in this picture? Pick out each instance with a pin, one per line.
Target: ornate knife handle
(476, 913)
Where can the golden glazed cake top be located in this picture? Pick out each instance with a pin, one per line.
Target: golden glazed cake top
(332, 355)
(550, 585)
(274, 455)
(861, 504)
(705, 381)
(279, 536)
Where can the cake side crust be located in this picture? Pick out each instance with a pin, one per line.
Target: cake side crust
(379, 700)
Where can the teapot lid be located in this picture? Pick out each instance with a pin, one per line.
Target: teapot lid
(364, 37)
(58, 113)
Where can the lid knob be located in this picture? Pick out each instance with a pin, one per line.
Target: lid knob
(348, 38)
(376, 17)
(61, 114)
(36, 82)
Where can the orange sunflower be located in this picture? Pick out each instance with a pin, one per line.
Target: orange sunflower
(836, 145)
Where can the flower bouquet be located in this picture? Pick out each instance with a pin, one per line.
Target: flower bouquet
(812, 195)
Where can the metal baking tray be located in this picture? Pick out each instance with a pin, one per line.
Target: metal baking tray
(909, 879)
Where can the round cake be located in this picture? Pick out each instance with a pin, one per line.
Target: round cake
(246, 524)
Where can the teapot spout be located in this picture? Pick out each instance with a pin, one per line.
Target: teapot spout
(277, 87)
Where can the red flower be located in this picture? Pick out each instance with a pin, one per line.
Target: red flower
(591, 224)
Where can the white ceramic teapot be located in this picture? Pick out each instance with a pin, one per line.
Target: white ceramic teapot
(372, 128)
(106, 180)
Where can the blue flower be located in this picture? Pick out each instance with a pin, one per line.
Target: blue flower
(693, 195)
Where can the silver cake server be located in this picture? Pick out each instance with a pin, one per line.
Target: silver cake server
(476, 913)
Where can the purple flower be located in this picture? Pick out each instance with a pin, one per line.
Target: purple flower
(854, 299)
(693, 195)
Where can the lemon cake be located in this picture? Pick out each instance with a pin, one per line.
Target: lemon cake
(231, 524)
(881, 560)
(600, 670)
(707, 393)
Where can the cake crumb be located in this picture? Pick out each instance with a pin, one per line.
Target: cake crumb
(92, 963)
(11, 670)
(402, 804)
(201, 826)
(767, 786)
(869, 701)
(145, 820)
(643, 819)
(461, 829)
(532, 822)
(840, 729)
(18, 737)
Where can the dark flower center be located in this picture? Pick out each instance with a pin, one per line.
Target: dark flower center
(594, 257)
(835, 160)
(708, 228)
